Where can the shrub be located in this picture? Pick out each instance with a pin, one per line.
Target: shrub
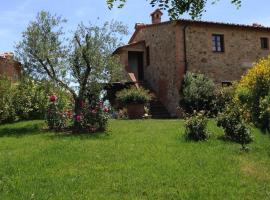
(197, 92)
(94, 117)
(196, 127)
(7, 111)
(28, 99)
(234, 127)
(56, 119)
(133, 95)
(251, 92)
(264, 116)
(31, 98)
(223, 97)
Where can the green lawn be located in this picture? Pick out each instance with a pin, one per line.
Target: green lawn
(135, 160)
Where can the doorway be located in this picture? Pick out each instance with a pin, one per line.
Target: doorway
(135, 62)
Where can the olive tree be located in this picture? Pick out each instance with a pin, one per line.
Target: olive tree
(77, 61)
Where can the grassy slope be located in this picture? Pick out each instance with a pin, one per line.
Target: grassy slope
(137, 160)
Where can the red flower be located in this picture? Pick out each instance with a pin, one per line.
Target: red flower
(53, 98)
(78, 118)
(106, 110)
(82, 104)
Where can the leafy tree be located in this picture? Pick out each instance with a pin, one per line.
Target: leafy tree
(176, 8)
(77, 63)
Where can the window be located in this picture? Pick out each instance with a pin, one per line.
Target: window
(226, 83)
(264, 43)
(218, 43)
(147, 56)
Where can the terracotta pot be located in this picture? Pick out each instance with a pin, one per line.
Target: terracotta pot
(135, 111)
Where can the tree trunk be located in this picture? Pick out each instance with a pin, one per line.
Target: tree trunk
(78, 115)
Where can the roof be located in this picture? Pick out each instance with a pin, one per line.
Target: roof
(199, 22)
(128, 45)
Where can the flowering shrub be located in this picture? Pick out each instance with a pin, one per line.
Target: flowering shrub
(56, 120)
(196, 126)
(252, 91)
(94, 116)
(28, 99)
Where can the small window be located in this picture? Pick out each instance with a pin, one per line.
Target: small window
(147, 56)
(218, 43)
(264, 43)
(226, 83)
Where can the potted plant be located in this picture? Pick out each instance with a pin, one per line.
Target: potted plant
(134, 99)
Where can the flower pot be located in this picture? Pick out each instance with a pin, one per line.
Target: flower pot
(135, 111)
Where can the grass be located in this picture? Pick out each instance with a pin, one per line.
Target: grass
(134, 160)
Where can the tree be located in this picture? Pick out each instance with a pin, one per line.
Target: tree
(176, 8)
(78, 63)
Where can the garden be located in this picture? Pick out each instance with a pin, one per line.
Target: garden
(60, 138)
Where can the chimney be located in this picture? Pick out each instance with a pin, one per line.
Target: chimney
(156, 16)
(7, 55)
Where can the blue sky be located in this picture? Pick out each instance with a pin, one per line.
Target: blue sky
(16, 14)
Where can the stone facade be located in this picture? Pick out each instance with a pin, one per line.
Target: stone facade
(184, 45)
(9, 67)
(242, 49)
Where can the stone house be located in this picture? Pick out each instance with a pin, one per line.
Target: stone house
(162, 52)
(9, 67)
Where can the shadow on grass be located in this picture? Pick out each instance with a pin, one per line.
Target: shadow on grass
(13, 131)
(225, 139)
(83, 136)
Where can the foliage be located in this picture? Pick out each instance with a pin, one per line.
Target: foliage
(84, 59)
(133, 95)
(95, 116)
(223, 97)
(252, 91)
(56, 119)
(196, 127)
(264, 116)
(176, 8)
(235, 130)
(197, 92)
(7, 111)
(28, 99)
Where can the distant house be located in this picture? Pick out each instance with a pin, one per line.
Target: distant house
(160, 53)
(9, 67)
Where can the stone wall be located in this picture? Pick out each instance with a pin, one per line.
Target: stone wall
(10, 68)
(167, 56)
(165, 72)
(242, 48)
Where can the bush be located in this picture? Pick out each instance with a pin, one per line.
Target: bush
(28, 99)
(197, 93)
(7, 111)
(133, 95)
(95, 116)
(264, 116)
(223, 97)
(234, 127)
(252, 91)
(56, 119)
(196, 127)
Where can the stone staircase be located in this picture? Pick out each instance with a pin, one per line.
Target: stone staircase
(156, 108)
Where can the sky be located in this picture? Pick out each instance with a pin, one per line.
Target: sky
(16, 14)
